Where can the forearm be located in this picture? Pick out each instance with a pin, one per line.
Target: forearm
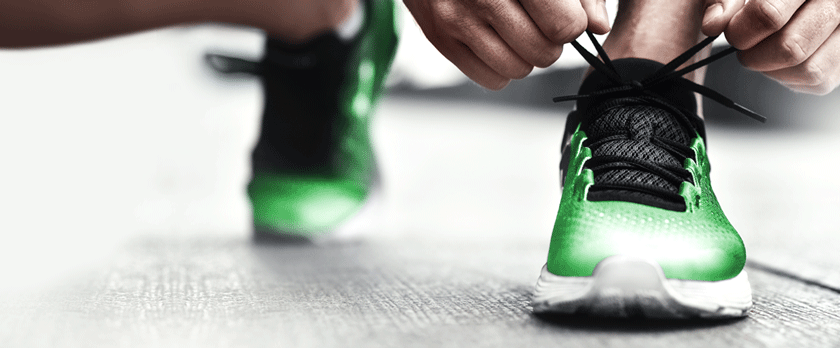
(29, 23)
(48, 22)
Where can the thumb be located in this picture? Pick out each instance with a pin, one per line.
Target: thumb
(717, 15)
(596, 13)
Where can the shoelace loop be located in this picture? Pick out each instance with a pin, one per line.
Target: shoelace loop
(668, 72)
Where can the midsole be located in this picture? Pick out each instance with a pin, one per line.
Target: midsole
(705, 295)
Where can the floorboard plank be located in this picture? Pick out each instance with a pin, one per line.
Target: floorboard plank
(232, 292)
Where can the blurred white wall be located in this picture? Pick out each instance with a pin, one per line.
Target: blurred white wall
(117, 138)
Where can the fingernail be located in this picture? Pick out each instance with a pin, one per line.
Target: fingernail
(712, 13)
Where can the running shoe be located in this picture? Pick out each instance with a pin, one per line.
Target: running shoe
(313, 165)
(639, 231)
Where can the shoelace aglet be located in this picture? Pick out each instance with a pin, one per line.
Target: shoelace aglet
(570, 98)
(231, 65)
(752, 114)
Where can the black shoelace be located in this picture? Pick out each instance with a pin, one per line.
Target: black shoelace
(666, 73)
(235, 65)
(640, 92)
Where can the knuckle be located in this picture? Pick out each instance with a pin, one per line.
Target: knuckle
(445, 11)
(566, 30)
(823, 90)
(512, 70)
(766, 14)
(521, 72)
(546, 56)
(793, 49)
(819, 90)
(496, 84)
(814, 74)
(488, 8)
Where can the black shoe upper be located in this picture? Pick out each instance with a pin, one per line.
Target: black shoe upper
(640, 118)
(301, 121)
(638, 141)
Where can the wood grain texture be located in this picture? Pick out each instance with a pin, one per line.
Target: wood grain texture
(228, 292)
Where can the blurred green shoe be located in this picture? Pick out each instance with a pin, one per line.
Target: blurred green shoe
(639, 231)
(313, 165)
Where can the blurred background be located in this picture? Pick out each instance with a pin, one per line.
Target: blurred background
(108, 142)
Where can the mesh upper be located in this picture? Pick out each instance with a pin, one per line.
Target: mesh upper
(639, 123)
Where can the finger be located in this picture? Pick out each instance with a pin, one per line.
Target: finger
(516, 28)
(807, 30)
(815, 90)
(490, 48)
(472, 66)
(757, 20)
(560, 20)
(816, 75)
(449, 31)
(717, 15)
(598, 21)
(455, 51)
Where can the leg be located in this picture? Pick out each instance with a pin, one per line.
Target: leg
(658, 30)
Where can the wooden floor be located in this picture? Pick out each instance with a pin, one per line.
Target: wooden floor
(126, 222)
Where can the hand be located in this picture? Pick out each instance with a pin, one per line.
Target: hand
(717, 15)
(795, 42)
(494, 41)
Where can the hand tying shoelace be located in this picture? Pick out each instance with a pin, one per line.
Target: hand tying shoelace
(666, 73)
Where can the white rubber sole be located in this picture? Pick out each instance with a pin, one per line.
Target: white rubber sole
(366, 219)
(625, 286)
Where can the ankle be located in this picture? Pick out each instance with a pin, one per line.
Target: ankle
(657, 30)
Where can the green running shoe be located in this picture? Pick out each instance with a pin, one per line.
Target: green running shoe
(313, 165)
(639, 231)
